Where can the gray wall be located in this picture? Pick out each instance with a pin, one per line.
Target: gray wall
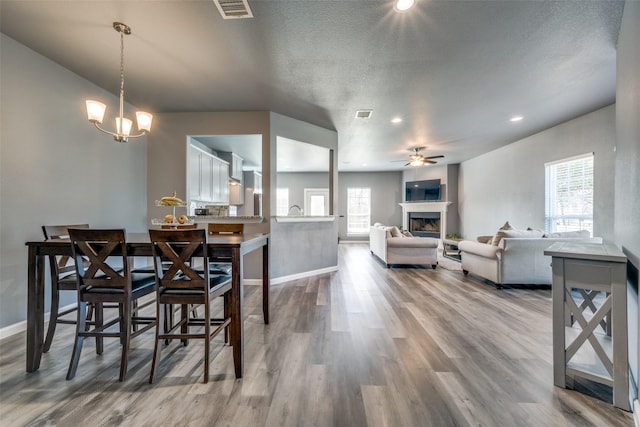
(296, 182)
(297, 248)
(55, 167)
(508, 184)
(627, 189)
(168, 153)
(386, 194)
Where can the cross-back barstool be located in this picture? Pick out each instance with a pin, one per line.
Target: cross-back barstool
(107, 278)
(63, 278)
(183, 278)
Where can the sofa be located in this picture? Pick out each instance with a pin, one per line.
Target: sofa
(394, 247)
(515, 256)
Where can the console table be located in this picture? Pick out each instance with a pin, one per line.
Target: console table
(590, 304)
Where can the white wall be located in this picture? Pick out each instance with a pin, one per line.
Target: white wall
(507, 184)
(55, 167)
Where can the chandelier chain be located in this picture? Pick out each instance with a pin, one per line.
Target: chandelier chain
(121, 75)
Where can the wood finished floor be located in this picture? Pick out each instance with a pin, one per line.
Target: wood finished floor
(364, 346)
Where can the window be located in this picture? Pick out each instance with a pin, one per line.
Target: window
(569, 194)
(358, 210)
(316, 201)
(282, 201)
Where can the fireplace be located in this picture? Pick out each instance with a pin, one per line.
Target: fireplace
(426, 215)
(425, 224)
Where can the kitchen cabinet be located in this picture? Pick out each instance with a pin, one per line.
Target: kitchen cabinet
(208, 177)
(235, 164)
(252, 181)
(223, 181)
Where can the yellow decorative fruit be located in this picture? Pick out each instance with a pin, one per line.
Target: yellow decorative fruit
(168, 218)
(183, 219)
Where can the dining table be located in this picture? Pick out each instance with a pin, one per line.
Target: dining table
(221, 246)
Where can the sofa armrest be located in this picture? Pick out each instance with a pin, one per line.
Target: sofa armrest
(480, 249)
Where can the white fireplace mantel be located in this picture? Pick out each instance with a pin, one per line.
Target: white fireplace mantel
(426, 207)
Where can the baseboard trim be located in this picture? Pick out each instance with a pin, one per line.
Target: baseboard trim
(283, 279)
(18, 327)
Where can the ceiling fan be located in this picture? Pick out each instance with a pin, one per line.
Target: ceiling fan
(416, 159)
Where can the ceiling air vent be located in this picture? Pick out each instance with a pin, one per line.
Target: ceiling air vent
(234, 9)
(363, 114)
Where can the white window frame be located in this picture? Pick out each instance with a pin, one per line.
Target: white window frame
(282, 201)
(569, 194)
(358, 223)
(314, 192)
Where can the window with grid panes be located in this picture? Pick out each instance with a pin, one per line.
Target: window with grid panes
(569, 194)
(282, 201)
(358, 210)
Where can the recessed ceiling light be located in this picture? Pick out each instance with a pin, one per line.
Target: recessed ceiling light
(402, 5)
(516, 119)
(396, 120)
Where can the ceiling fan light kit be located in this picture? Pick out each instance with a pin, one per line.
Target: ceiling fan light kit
(416, 159)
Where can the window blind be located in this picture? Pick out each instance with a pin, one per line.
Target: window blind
(569, 194)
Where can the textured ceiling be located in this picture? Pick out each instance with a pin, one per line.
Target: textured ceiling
(455, 71)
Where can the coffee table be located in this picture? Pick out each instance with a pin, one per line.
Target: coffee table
(450, 248)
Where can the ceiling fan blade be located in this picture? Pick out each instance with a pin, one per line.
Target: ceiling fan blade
(431, 162)
(434, 157)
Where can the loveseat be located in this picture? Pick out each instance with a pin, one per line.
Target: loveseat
(515, 256)
(393, 247)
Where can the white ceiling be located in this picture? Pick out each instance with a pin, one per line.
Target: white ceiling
(455, 71)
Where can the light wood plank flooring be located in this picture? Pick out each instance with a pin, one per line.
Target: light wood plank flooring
(364, 346)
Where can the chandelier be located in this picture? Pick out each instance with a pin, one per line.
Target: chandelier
(96, 109)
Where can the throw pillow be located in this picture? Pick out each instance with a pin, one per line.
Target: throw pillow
(522, 234)
(500, 234)
(395, 232)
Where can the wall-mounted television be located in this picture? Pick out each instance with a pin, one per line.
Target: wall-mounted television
(425, 190)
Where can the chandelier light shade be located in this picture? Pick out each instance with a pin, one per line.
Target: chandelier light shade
(96, 109)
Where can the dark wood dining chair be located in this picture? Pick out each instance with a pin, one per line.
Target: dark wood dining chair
(223, 228)
(178, 226)
(107, 278)
(185, 285)
(222, 265)
(63, 278)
